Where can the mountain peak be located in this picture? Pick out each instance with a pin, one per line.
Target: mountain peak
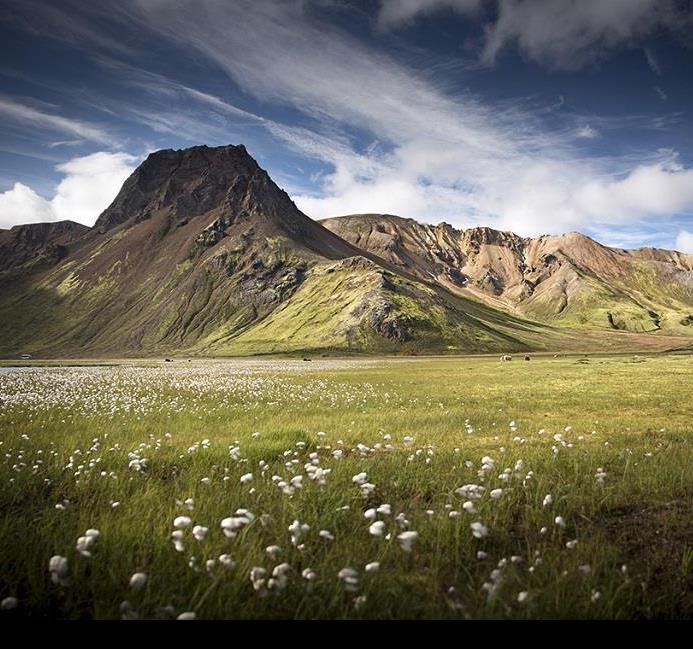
(186, 182)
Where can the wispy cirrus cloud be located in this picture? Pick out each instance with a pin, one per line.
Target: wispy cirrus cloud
(435, 155)
(652, 61)
(25, 114)
(391, 137)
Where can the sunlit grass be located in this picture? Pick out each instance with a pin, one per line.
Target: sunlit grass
(120, 449)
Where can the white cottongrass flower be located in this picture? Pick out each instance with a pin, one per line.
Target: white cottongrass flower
(470, 491)
(8, 603)
(57, 566)
(377, 528)
(138, 580)
(326, 534)
(257, 578)
(127, 612)
(360, 478)
(453, 514)
(402, 521)
(407, 540)
(297, 530)
(479, 530)
(182, 521)
(349, 578)
(384, 510)
(543, 530)
(468, 506)
(374, 566)
(309, 575)
(177, 538)
(370, 514)
(233, 524)
(187, 615)
(226, 561)
(585, 569)
(86, 543)
(246, 478)
(200, 532)
(596, 595)
(367, 488)
(279, 579)
(548, 500)
(206, 481)
(571, 545)
(522, 596)
(481, 555)
(560, 521)
(496, 493)
(273, 551)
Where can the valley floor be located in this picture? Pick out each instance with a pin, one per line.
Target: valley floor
(348, 488)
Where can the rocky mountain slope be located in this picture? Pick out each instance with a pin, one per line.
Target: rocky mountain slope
(38, 244)
(201, 252)
(568, 280)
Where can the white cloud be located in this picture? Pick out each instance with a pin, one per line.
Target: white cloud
(567, 34)
(90, 184)
(435, 156)
(684, 241)
(24, 114)
(562, 34)
(21, 205)
(399, 13)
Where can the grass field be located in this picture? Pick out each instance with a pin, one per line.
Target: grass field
(383, 488)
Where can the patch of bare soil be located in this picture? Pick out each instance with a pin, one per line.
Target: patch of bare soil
(656, 543)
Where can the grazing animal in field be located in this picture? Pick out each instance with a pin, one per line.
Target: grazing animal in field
(527, 358)
(506, 357)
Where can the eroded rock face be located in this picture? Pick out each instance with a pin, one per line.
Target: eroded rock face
(547, 278)
(38, 243)
(188, 182)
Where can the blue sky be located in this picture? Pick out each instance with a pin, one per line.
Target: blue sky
(533, 116)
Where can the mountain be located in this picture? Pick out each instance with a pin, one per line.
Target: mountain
(566, 281)
(201, 253)
(38, 244)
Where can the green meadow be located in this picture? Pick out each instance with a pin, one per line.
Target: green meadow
(363, 488)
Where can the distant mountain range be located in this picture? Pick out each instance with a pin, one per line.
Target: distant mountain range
(201, 253)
